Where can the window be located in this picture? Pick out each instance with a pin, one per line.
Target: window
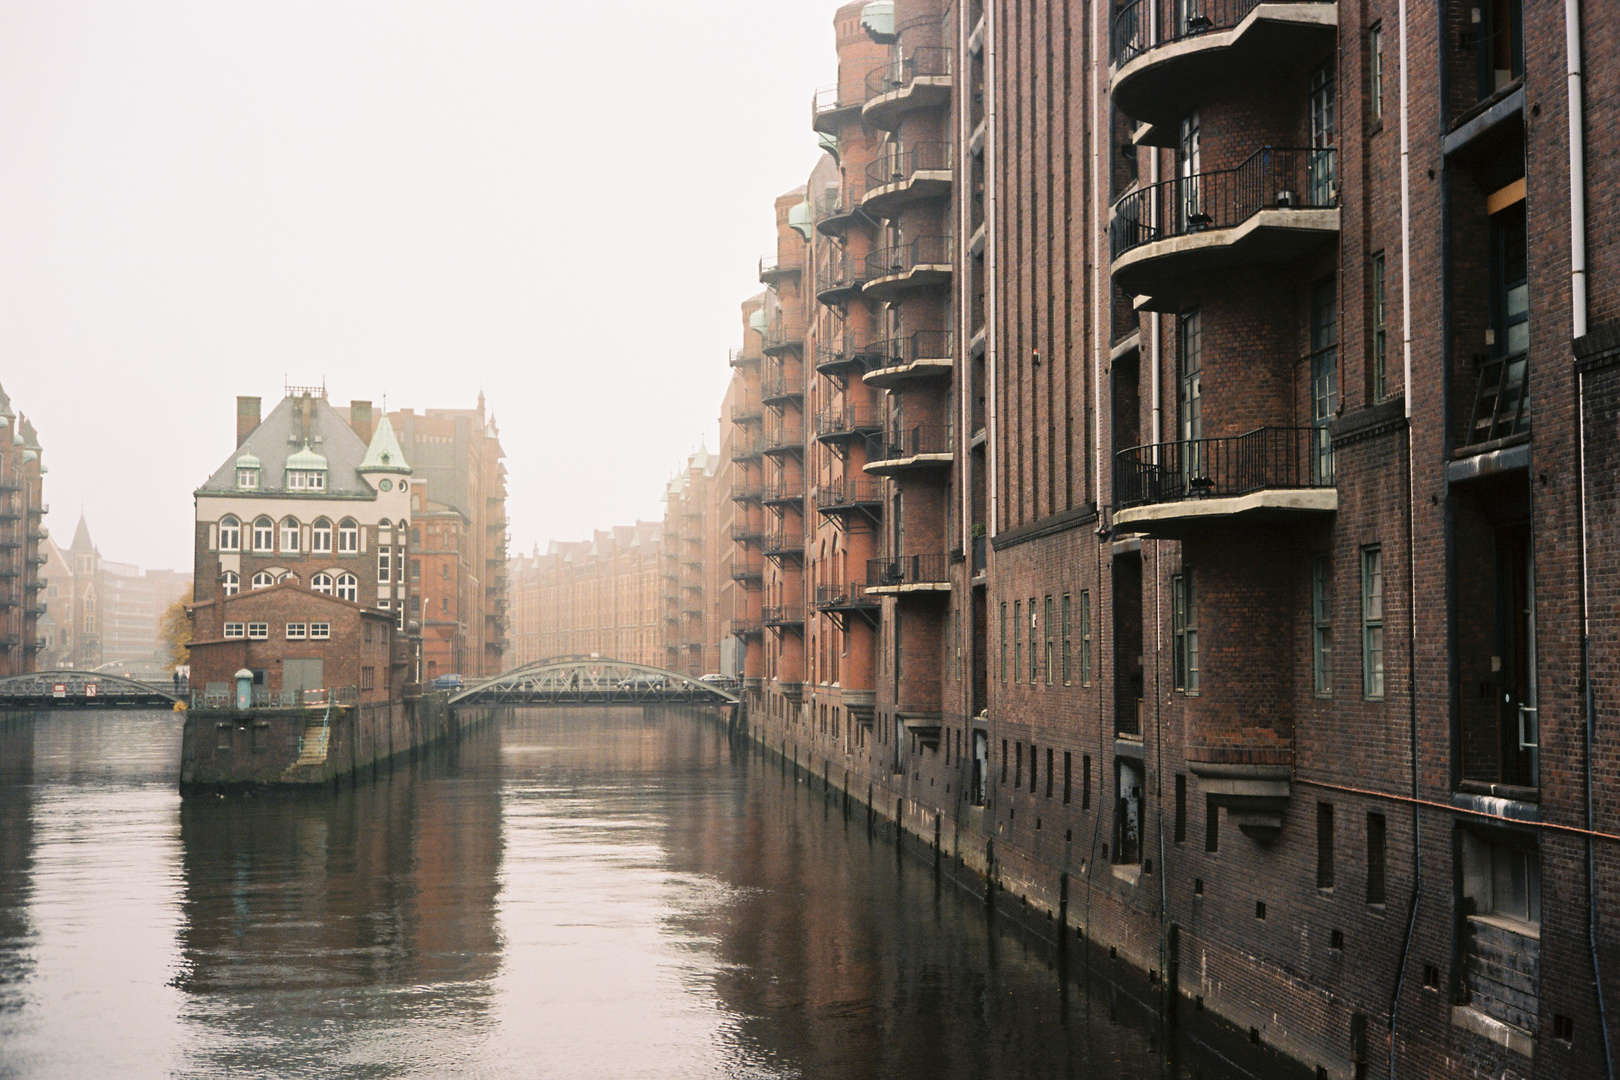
(247, 479)
(258, 631)
(1085, 782)
(1324, 845)
(348, 537)
(320, 537)
(1127, 811)
(306, 480)
(320, 631)
(1003, 761)
(1375, 858)
(264, 535)
(348, 587)
(1003, 642)
(263, 580)
(1510, 276)
(1322, 136)
(383, 566)
(1034, 659)
(1018, 765)
(1190, 405)
(235, 630)
(1322, 620)
(1372, 623)
(297, 631)
(1380, 343)
(1375, 73)
(230, 534)
(289, 536)
(1085, 637)
(1066, 629)
(1068, 762)
(321, 583)
(1048, 772)
(368, 677)
(1212, 824)
(1047, 650)
(1184, 632)
(416, 569)
(1018, 638)
(1324, 375)
(230, 583)
(1181, 808)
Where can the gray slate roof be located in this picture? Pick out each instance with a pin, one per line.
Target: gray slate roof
(270, 443)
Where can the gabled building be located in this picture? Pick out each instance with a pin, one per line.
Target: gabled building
(22, 531)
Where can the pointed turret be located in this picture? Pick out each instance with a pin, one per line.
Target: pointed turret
(384, 454)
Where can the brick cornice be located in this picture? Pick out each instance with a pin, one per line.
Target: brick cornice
(1381, 419)
(1600, 348)
(1047, 526)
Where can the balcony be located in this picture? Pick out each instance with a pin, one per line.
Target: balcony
(746, 626)
(784, 492)
(1269, 474)
(837, 208)
(1485, 57)
(746, 490)
(921, 171)
(783, 337)
(922, 446)
(840, 279)
(783, 616)
(845, 596)
(1501, 411)
(774, 269)
(1276, 207)
(743, 357)
(1166, 51)
(745, 571)
(783, 439)
(856, 495)
(848, 424)
(747, 446)
(828, 112)
(746, 533)
(926, 354)
(901, 574)
(778, 387)
(745, 411)
(924, 263)
(784, 542)
(920, 81)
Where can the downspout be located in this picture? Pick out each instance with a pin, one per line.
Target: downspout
(1577, 321)
(992, 302)
(964, 239)
(1099, 168)
(1153, 180)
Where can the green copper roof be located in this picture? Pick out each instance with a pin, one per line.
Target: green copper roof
(248, 460)
(384, 454)
(800, 217)
(305, 460)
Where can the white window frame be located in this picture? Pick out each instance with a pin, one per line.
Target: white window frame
(348, 538)
(384, 565)
(297, 631)
(247, 479)
(320, 537)
(348, 588)
(323, 583)
(230, 533)
(263, 580)
(235, 630)
(320, 631)
(268, 534)
(258, 631)
(230, 583)
(289, 535)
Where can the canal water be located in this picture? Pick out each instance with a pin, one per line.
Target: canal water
(562, 894)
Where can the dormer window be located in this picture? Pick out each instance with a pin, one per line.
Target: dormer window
(306, 480)
(247, 479)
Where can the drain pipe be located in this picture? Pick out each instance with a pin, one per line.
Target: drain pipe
(1411, 539)
(1577, 320)
(992, 321)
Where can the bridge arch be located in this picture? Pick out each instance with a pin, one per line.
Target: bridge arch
(592, 680)
(38, 689)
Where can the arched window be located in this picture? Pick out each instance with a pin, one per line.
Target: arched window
(289, 535)
(320, 537)
(230, 533)
(287, 576)
(348, 537)
(263, 580)
(321, 583)
(230, 583)
(348, 587)
(264, 534)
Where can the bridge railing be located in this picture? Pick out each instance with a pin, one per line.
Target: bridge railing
(223, 696)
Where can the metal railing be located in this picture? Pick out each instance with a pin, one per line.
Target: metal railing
(931, 569)
(745, 410)
(1264, 459)
(1501, 399)
(909, 442)
(837, 200)
(901, 351)
(849, 420)
(773, 265)
(848, 594)
(776, 384)
(1148, 24)
(746, 532)
(784, 335)
(782, 489)
(924, 62)
(840, 272)
(899, 166)
(743, 571)
(849, 492)
(1272, 178)
(781, 540)
(782, 615)
(902, 259)
(746, 489)
(223, 696)
(784, 436)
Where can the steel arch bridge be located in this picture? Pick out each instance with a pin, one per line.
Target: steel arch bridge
(54, 689)
(592, 680)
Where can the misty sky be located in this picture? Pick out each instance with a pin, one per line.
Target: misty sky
(560, 204)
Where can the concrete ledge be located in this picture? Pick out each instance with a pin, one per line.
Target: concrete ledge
(1153, 519)
(1488, 1027)
(913, 587)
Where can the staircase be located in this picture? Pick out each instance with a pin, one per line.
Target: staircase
(313, 743)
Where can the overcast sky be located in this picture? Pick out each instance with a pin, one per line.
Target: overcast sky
(560, 204)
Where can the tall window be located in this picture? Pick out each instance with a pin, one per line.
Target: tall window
(1018, 639)
(384, 566)
(1372, 622)
(289, 536)
(1324, 846)
(263, 580)
(1380, 344)
(1376, 846)
(1324, 375)
(1033, 658)
(1047, 653)
(1190, 402)
(320, 537)
(1067, 627)
(1184, 631)
(1322, 624)
(1322, 132)
(348, 587)
(1004, 642)
(1188, 157)
(230, 533)
(264, 535)
(230, 583)
(1510, 278)
(321, 583)
(1375, 73)
(1085, 637)
(348, 537)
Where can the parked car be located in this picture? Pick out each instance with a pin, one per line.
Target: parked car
(447, 682)
(721, 682)
(642, 682)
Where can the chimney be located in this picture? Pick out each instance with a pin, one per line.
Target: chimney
(360, 419)
(247, 418)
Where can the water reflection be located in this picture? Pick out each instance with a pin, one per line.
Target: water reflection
(560, 895)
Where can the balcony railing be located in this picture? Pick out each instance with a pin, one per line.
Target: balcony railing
(836, 203)
(784, 438)
(839, 596)
(1147, 24)
(746, 532)
(849, 421)
(1501, 399)
(782, 490)
(742, 571)
(922, 63)
(928, 569)
(838, 277)
(774, 267)
(744, 410)
(783, 615)
(782, 336)
(743, 490)
(904, 351)
(781, 540)
(1272, 178)
(901, 165)
(1264, 459)
(778, 385)
(843, 494)
(904, 258)
(909, 442)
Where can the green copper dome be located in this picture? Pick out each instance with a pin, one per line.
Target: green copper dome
(305, 460)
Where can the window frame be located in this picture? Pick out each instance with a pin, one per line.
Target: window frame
(230, 533)
(1373, 685)
(320, 631)
(1375, 73)
(320, 537)
(258, 631)
(297, 631)
(350, 584)
(1018, 639)
(1046, 639)
(234, 630)
(262, 580)
(230, 583)
(264, 528)
(1184, 632)
(1068, 631)
(1085, 637)
(348, 537)
(1380, 333)
(290, 529)
(1322, 625)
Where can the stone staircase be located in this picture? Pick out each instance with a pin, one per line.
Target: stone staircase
(313, 743)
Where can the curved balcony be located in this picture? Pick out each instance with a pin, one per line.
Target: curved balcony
(896, 575)
(784, 492)
(743, 357)
(828, 112)
(919, 81)
(921, 264)
(746, 411)
(782, 338)
(773, 268)
(1276, 207)
(921, 171)
(926, 354)
(1166, 52)
(779, 387)
(1268, 474)
(837, 208)
(848, 424)
(923, 446)
(840, 361)
(840, 279)
(855, 495)
(783, 439)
